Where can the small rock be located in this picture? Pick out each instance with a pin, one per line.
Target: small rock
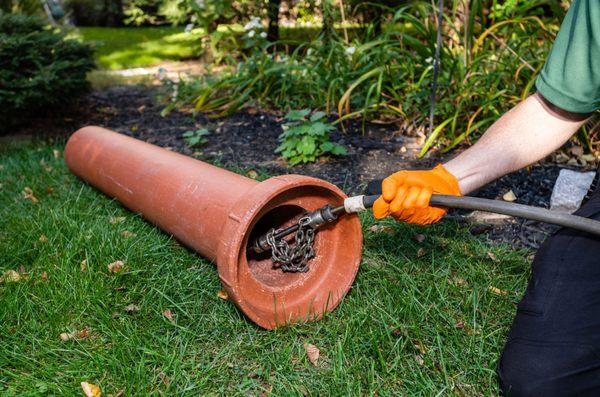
(509, 196)
(570, 189)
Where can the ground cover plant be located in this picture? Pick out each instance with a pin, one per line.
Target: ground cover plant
(40, 70)
(90, 292)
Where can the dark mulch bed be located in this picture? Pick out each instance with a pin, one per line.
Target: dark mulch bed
(248, 140)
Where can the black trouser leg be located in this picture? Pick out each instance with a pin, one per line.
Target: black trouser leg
(553, 347)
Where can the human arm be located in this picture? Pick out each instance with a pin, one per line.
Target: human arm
(525, 134)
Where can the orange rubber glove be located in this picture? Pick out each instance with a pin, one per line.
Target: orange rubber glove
(406, 194)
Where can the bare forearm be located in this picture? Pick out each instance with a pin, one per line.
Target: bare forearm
(526, 134)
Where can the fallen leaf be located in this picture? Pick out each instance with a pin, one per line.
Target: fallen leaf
(132, 308)
(56, 153)
(43, 239)
(419, 359)
(419, 238)
(115, 267)
(164, 378)
(509, 196)
(116, 219)
(497, 291)
(10, 276)
(458, 282)
(382, 229)
(421, 252)
(222, 294)
(167, 313)
(252, 174)
(420, 347)
(493, 257)
(28, 195)
(313, 353)
(44, 276)
(67, 336)
(127, 234)
(459, 324)
(83, 265)
(49, 190)
(90, 389)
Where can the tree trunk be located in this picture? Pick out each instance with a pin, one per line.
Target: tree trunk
(273, 15)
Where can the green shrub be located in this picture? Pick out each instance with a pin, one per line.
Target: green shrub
(39, 68)
(305, 138)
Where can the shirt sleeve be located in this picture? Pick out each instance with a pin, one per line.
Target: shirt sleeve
(570, 78)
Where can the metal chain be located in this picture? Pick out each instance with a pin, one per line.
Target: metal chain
(293, 258)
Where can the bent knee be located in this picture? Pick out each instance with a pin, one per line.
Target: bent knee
(544, 369)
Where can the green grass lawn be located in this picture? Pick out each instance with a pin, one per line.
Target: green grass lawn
(424, 318)
(128, 47)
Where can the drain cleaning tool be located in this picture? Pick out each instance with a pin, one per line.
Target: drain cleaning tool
(294, 257)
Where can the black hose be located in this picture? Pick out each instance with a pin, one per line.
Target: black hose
(512, 209)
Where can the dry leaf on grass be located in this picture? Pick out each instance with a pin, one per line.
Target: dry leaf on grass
(44, 276)
(382, 229)
(497, 291)
(10, 276)
(458, 281)
(67, 336)
(509, 196)
(83, 265)
(313, 353)
(115, 267)
(252, 174)
(493, 257)
(90, 389)
(164, 378)
(421, 252)
(116, 219)
(127, 234)
(167, 313)
(222, 294)
(419, 359)
(28, 195)
(132, 308)
(419, 238)
(43, 239)
(56, 153)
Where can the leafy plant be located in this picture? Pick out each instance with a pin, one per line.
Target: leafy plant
(487, 66)
(305, 137)
(196, 137)
(40, 70)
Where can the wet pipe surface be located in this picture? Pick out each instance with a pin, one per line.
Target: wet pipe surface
(218, 213)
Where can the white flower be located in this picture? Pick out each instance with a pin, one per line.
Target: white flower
(200, 3)
(263, 35)
(309, 52)
(189, 27)
(252, 24)
(429, 60)
(350, 50)
(251, 34)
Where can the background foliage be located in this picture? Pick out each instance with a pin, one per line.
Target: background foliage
(39, 68)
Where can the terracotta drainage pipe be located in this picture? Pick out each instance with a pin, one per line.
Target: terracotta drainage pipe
(217, 212)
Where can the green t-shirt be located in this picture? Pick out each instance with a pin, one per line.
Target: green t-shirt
(570, 79)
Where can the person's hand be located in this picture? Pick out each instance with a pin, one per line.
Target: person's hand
(405, 195)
